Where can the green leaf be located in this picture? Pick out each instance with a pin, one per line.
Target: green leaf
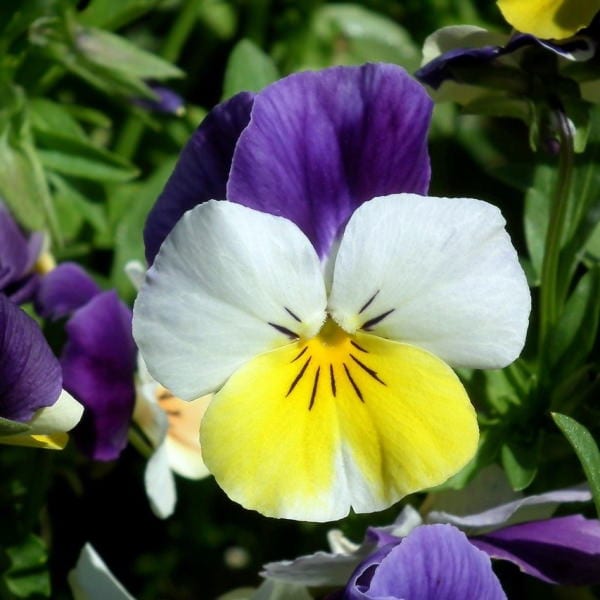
(537, 215)
(116, 54)
(8, 427)
(520, 462)
(109, 14)
(48, 116)
(248, 69)
(80, 158)
(23, 184)
(129, 208)
(573, 338)
(27, 574)
(586, 449)
(351, 34)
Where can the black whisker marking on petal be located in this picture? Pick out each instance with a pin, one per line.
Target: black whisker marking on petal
(359, 347)
(332, 380)
(285, 331)
(299, 355)
(368, 370)
(356, 388)
(299, 376)
(173, 413)
(289, 312)
(368, 302)
(314, 389)
(372, 322)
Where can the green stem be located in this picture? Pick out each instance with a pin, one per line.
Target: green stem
(549, 298)
(139, 443)
(133, 128)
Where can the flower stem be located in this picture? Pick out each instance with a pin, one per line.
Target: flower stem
(549, 292)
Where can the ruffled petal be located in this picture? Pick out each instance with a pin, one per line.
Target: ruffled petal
(434, 562)
(321, 143)
(438, 273)
(30, 375)
(63, 290)
(564, 550)
(228, 284)
(98, 365)
(556, 19)
(331, 424)
(202, 170)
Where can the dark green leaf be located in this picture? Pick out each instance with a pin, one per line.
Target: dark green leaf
(520, 462)
(28, 572)
(248, 69)
(586, 449)
(109, 14)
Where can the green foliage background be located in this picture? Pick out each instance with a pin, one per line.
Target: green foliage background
(81, 160)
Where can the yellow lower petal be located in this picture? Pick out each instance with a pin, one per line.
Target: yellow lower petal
(56, 441)
(549, 19)
(322, 425)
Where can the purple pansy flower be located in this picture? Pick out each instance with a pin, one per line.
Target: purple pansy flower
(98, 360)
(18, 255)
(560, 550)
(434, 562)
(34, 411)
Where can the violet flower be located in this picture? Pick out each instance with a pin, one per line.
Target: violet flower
(18, 255)
(434, 562)
(167, 101)
(98, 360)
(34, 410)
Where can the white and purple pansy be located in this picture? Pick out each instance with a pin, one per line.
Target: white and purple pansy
(325, 300)
(34, 409)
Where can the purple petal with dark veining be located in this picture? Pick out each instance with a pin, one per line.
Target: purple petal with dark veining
(201, 171)
(434, 562)
(63, 290)
(564, 550)
(321, 143)
(30, 376)
(98, 365)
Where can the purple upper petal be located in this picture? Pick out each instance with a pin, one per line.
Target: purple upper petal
(202, 170)
(63, 290)
(564, 550)
(18, 254)
(434, 562)
(321, 143)
(98, 365)
(30, 376)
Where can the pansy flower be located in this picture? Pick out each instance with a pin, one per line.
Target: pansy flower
(34, 410)
(550, 19)
(325, 318)
(18, 256)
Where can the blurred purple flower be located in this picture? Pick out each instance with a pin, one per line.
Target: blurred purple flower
(433, 562)
(98, 359)
(310, 147)
(18, 255)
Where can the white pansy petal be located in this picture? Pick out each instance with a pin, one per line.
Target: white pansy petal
(438, 273)
(160, 483)
(62, 416)
(91, 579)
(228, 283)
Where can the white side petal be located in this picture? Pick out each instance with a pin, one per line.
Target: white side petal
(438, 273)
(226, 282)
(62, 416)
(160, 483)
(135, 271)
(92, 580)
